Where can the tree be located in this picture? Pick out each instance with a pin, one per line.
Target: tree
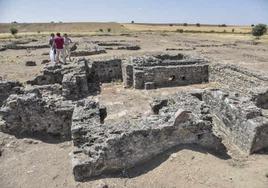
(185, 24)
(179, 30)
(132, 22)
(259, 30)
(198, 25)
(109, 29)
(13, 31)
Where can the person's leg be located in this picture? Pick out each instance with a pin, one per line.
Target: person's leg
(63, 56)
(68, 50)
(52, 55)
(57, 55)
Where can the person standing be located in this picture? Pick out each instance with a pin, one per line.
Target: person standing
(67, 42)
(59, 43)
(52, 51)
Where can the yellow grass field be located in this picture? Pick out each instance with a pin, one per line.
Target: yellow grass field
(167, 27)
(62, 27)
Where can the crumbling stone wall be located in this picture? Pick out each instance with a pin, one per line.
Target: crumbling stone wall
(7, 88)
(80, 82)
(108, 70)
(164, 70)
(52, 74)
(238, 79)
(107, 148)
(168, 76)
(240, 119)
(31, 113)
(127, 74)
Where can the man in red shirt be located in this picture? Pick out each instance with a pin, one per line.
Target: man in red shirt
(59, 42)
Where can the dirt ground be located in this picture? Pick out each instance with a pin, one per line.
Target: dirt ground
(29, 163)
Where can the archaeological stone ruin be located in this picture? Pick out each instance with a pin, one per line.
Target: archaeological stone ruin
(58, 103)
(164, 71)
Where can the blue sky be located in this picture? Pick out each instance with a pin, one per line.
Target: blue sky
(167, 11)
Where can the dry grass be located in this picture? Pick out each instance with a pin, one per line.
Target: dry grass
(150, 27)
(62, 27)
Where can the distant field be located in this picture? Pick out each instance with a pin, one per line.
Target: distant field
(99, 28)
(62, 27)
(189, 28)
(116, 27)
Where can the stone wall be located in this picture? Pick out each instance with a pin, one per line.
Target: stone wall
(240, 119)
(108, 148)
(31, 114)
(127, 74)
(78, 80)
(7, 88)
(164, 70)
(108, 70)
(238, 79)
(167, 76)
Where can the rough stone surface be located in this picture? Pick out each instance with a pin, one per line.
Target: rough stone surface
(30, 63)
(108, 70)
(80, 82)
(149, 85)
(240, 119)
(51, 74)
(237, 79)
(165, 70)
(127, 74)
(108, 148)
(32, 114)
(7, 88)
(87, 52)
(45, 61)
(260, 97)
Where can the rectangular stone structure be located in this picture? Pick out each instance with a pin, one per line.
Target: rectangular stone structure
(165, 71)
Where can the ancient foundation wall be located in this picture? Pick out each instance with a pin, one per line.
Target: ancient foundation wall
(7, 88)
(240, 119)
(108, 70)
(167, 76)
(108, 148)
(127, 75)
(30, 114)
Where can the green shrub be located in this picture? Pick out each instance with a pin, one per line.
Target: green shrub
(100, 30)
(132, 22)
(179, 30)
(233, 30)
(185, 24)
(222, 25)
(198, 25)
(109, 29)
(13, 31)
(259, 30)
